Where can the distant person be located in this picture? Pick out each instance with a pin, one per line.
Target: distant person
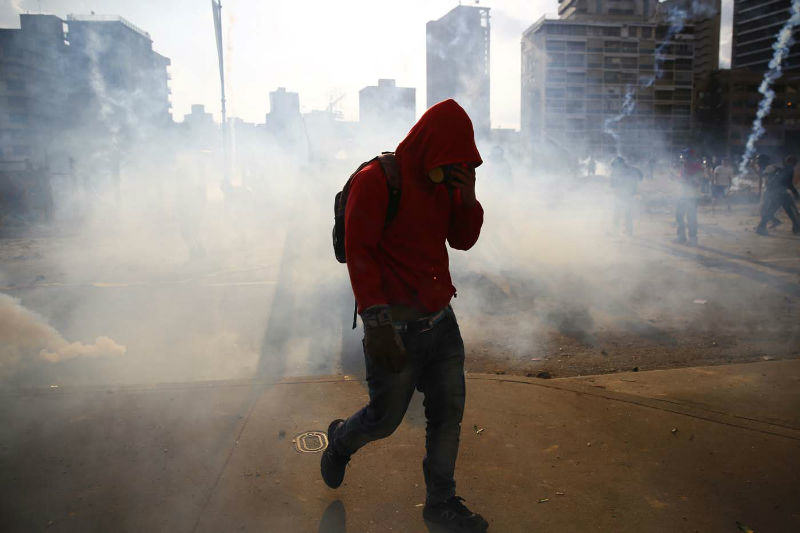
(401, 280)
(624, 182)
(651, 168)
(591, 167)
(690, 180)
(721, 183)
(776, 192)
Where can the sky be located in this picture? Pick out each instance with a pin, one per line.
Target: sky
(326, 51)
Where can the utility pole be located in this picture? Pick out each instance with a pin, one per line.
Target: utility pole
(216, 7)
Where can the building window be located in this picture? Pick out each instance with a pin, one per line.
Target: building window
(594, 45)
(575, 60)
(575, 92)
(576, 77)
(555, 45)
(15, 85)
(576, 46)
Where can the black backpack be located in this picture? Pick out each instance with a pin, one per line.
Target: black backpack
(392, 172)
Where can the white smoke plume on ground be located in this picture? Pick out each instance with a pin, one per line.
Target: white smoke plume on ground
(24, 335)
(782, 44)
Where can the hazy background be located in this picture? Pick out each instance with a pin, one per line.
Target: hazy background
(320, 49)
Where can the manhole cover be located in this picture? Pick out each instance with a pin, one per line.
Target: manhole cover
(311, 442)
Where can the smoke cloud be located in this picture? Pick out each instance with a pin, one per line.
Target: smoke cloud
(25, 336)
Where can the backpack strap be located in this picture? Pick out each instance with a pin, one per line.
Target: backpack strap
(390, 167)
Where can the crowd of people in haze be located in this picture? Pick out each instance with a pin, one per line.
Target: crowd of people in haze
(715, 179)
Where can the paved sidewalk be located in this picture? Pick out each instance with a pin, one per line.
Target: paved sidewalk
(694, 449)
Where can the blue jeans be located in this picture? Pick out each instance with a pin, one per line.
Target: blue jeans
(436, 366)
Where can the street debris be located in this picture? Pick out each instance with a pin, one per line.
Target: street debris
(478, 430)
(536, 358)
(543, 500)
(560, 493)
(701, 302)
(674, 431)
(420, 505)
(744, 528)
(589, 444)
(53, 386)
(767, 358)
(543, 375)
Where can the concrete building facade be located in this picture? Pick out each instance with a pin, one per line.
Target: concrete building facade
(727, 101)
(756, 24)
(387, 104)
(457, 62)
(123, 81)
(284, 106)
(35, 81)
(607, 9)
(577, 73)
(705, 17)
(67, 83)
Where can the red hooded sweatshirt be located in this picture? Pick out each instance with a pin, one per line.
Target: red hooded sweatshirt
(407, 263)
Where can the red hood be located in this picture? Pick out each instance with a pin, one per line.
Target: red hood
(442, 136)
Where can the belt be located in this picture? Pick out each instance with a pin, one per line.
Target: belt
(420, 325)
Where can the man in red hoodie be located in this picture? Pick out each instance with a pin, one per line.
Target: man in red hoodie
(401, 280)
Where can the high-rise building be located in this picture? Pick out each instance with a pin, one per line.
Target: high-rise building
(284, 107)
(124, 83)
(89, 75)
(577, 76)
(284, 123)
(726, 104)
(607, 9)
(387, 103)
(35, 81)
(705, 16)
(756, 24)
(458, 62)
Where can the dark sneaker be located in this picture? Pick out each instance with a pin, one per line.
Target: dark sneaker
(333, 463)
(454, 516)
(692, 241)
(761, 231)
(679, 240)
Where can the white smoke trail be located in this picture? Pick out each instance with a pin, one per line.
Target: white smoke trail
(676, 17)
(628, 105)
(781, 46)
(25, 335)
